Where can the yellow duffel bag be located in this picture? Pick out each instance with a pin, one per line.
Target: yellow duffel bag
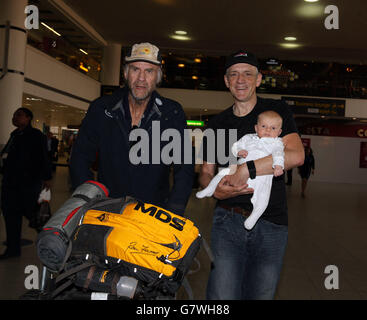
(135, 239)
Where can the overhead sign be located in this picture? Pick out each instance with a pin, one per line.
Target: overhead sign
(334, 130)
(316, 106)
(273, 62)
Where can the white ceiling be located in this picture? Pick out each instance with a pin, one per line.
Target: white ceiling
(220, 27)
(51, 113)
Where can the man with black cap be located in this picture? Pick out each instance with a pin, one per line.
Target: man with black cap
(109, 124)
(247, 263)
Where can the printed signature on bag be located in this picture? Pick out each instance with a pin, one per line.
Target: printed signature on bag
(135, 248)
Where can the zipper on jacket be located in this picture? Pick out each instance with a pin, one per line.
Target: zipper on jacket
(118, 120)
(156, 110)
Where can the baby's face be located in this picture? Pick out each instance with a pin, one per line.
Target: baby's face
(268, 127)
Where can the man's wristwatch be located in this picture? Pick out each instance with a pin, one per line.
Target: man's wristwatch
(251, 169)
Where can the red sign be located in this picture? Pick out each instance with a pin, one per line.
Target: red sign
(363, 155)
(335, 130)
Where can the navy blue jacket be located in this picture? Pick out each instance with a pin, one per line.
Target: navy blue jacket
(105, 130)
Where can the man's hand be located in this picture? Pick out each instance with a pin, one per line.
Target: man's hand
(225, 190)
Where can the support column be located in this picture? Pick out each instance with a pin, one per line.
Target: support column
(111, 64)
(13, 40)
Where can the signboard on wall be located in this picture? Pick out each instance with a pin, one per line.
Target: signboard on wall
(334, 130)
(316, 106)
(363, 155)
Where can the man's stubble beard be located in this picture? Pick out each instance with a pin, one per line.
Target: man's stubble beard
(140, 100)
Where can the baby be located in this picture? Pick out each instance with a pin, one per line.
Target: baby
(252, 147)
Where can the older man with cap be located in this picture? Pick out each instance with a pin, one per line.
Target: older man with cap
(247, 263)
(108, 127)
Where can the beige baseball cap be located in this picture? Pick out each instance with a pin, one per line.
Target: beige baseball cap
(146, 52)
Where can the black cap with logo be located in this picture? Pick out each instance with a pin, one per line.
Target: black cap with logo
(241, 56)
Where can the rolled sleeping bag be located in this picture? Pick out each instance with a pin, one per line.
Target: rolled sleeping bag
(53, 240)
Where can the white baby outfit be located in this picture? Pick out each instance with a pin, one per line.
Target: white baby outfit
(257, 148)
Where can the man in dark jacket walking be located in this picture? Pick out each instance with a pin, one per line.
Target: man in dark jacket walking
(26, 170)
(109, 125)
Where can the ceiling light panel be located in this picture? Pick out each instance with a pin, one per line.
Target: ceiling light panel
(180, 37)
(290, 45)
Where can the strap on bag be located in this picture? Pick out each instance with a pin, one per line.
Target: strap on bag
(74, 270)
(68, 274)
(89, 277)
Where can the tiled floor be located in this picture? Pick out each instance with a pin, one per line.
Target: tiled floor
(328, 227)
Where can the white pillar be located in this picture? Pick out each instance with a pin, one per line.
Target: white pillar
(11, 84)
(111, 64)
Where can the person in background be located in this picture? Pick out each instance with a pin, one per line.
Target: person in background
(306, 169)
(52, 145)
(108, 124)
(26, 171)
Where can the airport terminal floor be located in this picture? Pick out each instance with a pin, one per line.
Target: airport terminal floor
(326, 228)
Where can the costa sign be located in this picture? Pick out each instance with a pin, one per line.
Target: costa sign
(362, 133)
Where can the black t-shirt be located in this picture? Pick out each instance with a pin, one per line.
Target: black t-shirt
(276, 211)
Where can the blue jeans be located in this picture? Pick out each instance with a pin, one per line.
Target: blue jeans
(247, 264)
